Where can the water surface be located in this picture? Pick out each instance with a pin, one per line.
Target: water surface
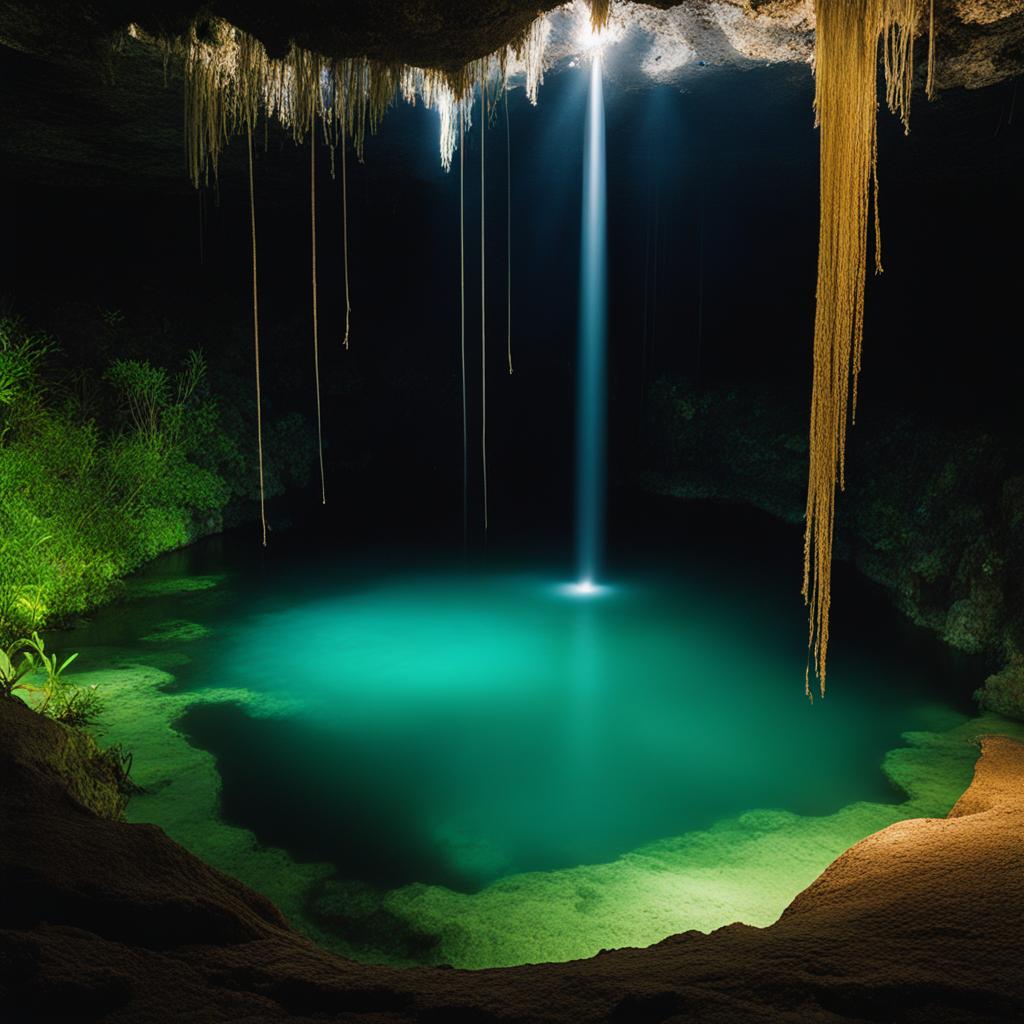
(414, 727)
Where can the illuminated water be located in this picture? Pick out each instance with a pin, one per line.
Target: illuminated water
(385, 744)
(591, 371)
(456, 729)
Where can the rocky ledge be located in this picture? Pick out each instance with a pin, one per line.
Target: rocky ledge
(105, 921)
(934, 514)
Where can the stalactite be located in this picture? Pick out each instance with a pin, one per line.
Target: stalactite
(230, 79)
(930, 83)
(344, 237)
(652, 343)
(228, 72)
(700, 288)
(256, 340)
(508, 232)
(533, 56)
(848, 33)
(647, 288)
(600, 12)
(483, 300)
(316, 325)
(462, 322)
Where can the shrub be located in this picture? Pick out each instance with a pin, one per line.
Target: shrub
(26, 666)
(85, 500)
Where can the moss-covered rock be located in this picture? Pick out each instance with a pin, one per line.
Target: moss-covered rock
(69, 760)
(1003, 692)
(931, 513)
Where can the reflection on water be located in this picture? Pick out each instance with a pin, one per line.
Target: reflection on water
(452, 728)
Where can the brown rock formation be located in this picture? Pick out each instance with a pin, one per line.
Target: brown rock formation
(100, 920)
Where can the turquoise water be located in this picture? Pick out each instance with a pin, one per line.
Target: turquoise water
(374, 746)
(453, 729)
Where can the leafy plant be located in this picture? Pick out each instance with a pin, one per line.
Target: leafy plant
(111, 317)
(25, 660)
(20, 355)
(34, 651)
(74, 705)
(156, 402)
(14, 666)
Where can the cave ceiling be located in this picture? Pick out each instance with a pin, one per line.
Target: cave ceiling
(83, 104)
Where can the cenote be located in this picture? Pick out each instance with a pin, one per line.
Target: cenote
(466, 481)
(436, 747)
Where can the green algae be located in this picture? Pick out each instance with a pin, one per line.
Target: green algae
(180, 785)
(747, 868)
(177, 631)
(744, 867)
(169, 586)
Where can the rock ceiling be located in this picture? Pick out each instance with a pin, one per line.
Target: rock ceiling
(82, 103)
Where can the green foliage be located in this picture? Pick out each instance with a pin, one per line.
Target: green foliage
(26, 666)
(34, 653)
(20, 356)
(99, 473)
(157, 404)
(15, 665)
(76, 706)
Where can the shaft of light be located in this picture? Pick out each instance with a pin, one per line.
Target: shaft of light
(591, 398)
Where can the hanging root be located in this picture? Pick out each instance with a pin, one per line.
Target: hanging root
(256, 342)
(483, 300)
(848, 32)
(344, 236)
(316, 326)
(898, 28)
(930, 83)
(462, 322)
(508, 233)
(229, 79)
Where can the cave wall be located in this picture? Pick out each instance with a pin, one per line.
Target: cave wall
(932, 512)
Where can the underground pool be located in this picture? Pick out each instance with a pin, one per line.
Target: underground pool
(421, 760)
(481, 539)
